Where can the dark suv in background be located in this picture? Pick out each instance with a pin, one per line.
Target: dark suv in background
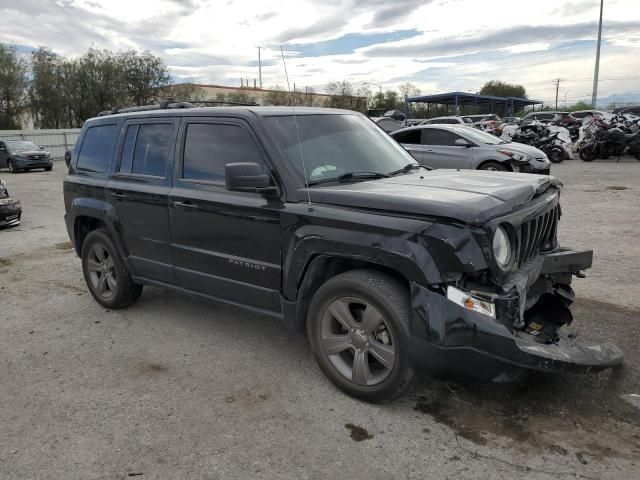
(318, 217)
(19, 155)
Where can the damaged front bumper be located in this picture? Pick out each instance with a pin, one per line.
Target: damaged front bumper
(496, 338)
(10, 212)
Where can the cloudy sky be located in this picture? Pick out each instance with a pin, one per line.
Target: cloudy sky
(440, 45)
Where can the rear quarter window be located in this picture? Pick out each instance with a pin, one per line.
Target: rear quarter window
(97, 149)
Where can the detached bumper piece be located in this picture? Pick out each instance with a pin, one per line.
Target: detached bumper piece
(454, 333)
(567, 355)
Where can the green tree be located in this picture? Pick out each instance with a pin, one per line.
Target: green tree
(502, 89)
(389, 100)
(47, 91)
(144, 76)
(13, 87)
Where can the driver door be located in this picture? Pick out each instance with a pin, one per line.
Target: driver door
(225, 244)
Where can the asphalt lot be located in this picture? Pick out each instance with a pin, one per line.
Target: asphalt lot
(174, 387)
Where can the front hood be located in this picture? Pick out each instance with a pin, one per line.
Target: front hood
(26, 153)
(469, 196)
(522, 148)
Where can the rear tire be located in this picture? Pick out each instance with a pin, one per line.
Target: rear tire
(105, 273)
(47, 169)
(493, 167)
(358, 329)
(556, 155)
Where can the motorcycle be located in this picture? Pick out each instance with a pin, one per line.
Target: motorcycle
(549, 146)
(539, 136)
(610, 142)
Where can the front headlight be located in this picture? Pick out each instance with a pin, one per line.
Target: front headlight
(517, 156)
(501, 247)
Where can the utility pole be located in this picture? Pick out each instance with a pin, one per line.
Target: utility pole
(259, 67)
(557, 83)
(594, 95)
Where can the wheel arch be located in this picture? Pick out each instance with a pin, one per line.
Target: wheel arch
(490, 160)
(322, 267)
(91, 214)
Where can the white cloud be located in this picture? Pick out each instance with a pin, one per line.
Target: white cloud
(460, 44)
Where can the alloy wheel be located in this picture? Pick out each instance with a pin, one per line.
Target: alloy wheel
(358, 341)
(102, 271)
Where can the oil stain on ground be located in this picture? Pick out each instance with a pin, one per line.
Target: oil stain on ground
(63, 246)
(358, 434)
(151, 368)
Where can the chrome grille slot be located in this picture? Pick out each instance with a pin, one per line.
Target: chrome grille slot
(538, 234)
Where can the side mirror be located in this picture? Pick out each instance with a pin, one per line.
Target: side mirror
(247, 177)
(461, 142)
(67, 157)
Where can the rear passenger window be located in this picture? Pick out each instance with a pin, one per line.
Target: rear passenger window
(436, 136)
(146, 149)
(97, 149)
(209, 147)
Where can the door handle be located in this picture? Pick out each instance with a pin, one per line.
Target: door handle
(428, 151)
(117, 195)
(185, 206)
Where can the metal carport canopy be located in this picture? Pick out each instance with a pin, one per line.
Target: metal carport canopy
(464, 99)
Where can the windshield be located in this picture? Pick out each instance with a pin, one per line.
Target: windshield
(480, 136)
(333, 145)
(21, 146)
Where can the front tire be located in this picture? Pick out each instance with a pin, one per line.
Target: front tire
(493, 167)
(105, 273)
(556, 155)
(358, 329)
(588, 152)
(12, 168)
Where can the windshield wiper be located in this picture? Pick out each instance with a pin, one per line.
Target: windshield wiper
(365, 175)
(407, 168)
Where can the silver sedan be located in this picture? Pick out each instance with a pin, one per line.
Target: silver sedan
(453, 146)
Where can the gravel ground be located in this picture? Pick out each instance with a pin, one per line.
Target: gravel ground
(174, 387)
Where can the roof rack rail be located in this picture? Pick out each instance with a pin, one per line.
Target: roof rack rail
(171, 103)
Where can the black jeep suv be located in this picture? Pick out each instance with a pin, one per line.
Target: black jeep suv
(318, 217)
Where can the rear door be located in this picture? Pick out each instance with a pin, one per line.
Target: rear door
(138, 190)
(224, 244)
(441, 151)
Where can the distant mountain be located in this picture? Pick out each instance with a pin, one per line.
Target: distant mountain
(620, 99)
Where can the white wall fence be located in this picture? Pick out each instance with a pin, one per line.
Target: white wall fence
(55, 141)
